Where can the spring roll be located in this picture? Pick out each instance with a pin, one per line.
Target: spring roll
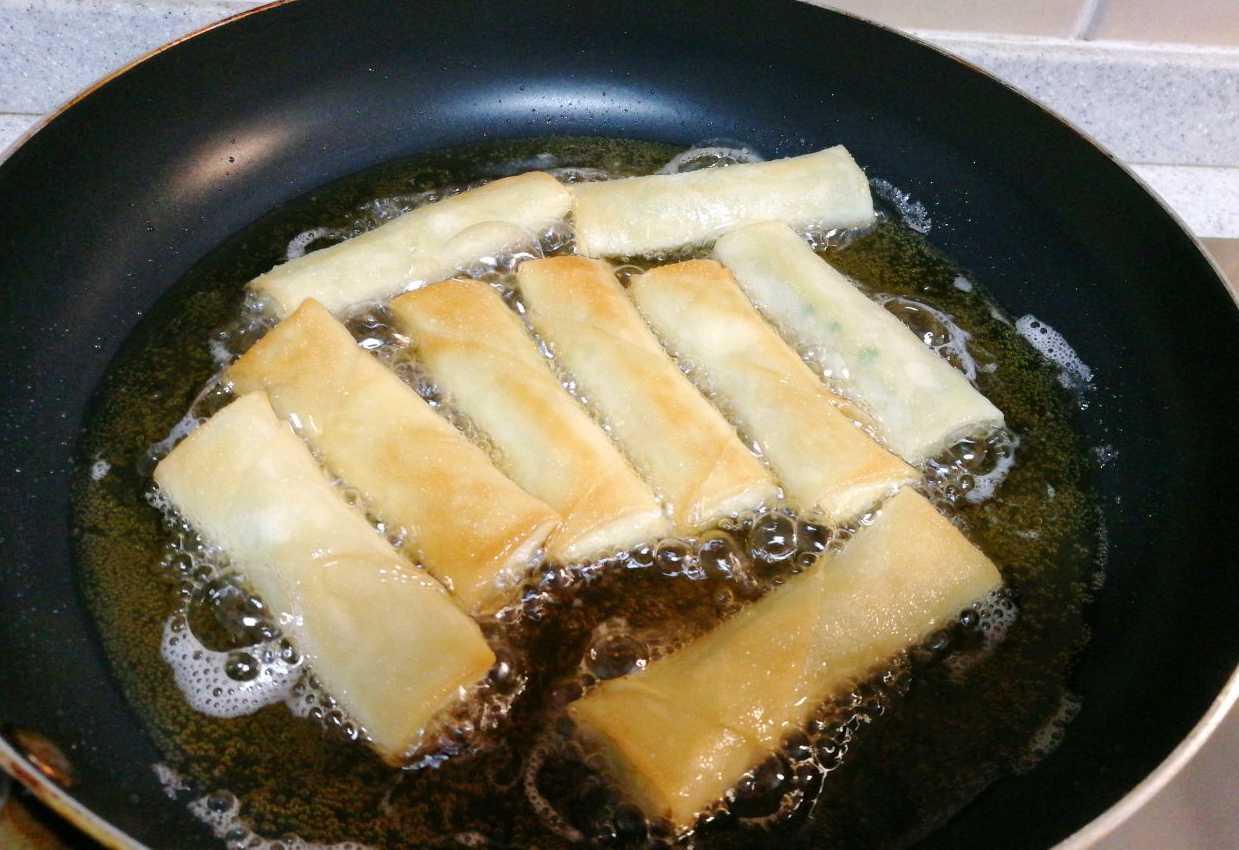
(479, 353)
(677, 735)
(421, 246)
(822, 459)
(920, 402)
(662, 212)
(384, 638)
(676, 440)
(471, 527)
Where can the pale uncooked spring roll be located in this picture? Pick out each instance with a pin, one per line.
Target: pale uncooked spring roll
(919, 401)
(662, 212)
(478, 351)
(678, 734)
(470, 526)
(383, 637)
(421, 246)
(678, 442)
(820, 456)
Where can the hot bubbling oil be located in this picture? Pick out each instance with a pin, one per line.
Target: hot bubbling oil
(953, 714)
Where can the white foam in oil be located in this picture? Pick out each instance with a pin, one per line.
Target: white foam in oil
(251, 665)
(221, 812)
(203, 675)
(1073, 374)
(913, 213)
(937, 329)
(974, 467)
(546, 811)
(1051, 735)
(711, 154)
(185, 426)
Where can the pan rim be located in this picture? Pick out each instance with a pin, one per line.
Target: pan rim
(1170, 767)
(63, 803)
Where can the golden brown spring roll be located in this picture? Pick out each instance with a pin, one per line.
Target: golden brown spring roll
(421, 246)
(383, 637)
(677, 735)
(919, 401)
(478, 351)
(677, 441)
(471, 527)
(820, 456)
(661, 212)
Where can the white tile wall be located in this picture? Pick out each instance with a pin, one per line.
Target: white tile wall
(1184, 21)
(1061, 18)
(1198, 22)
(1170, 107)
(1171, 114)
(1225, 253)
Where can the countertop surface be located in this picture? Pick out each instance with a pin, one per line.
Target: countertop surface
(1157, 84)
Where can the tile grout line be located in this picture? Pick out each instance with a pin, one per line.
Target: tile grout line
(1090, 17)
(1110, 48)
(1194, 166)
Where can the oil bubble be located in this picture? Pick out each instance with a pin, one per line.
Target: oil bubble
(772, 538)
(616, 655)
(241, 667)
(812, 538)
(720, 554)
(761, 792)
(921, 321)
(630, 822)
(224, 616)
(672, 556)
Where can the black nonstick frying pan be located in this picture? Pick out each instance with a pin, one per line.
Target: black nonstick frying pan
(125, 190)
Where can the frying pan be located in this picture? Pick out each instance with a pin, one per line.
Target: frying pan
(127, 188)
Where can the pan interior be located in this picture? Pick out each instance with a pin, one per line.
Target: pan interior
(897, 766)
